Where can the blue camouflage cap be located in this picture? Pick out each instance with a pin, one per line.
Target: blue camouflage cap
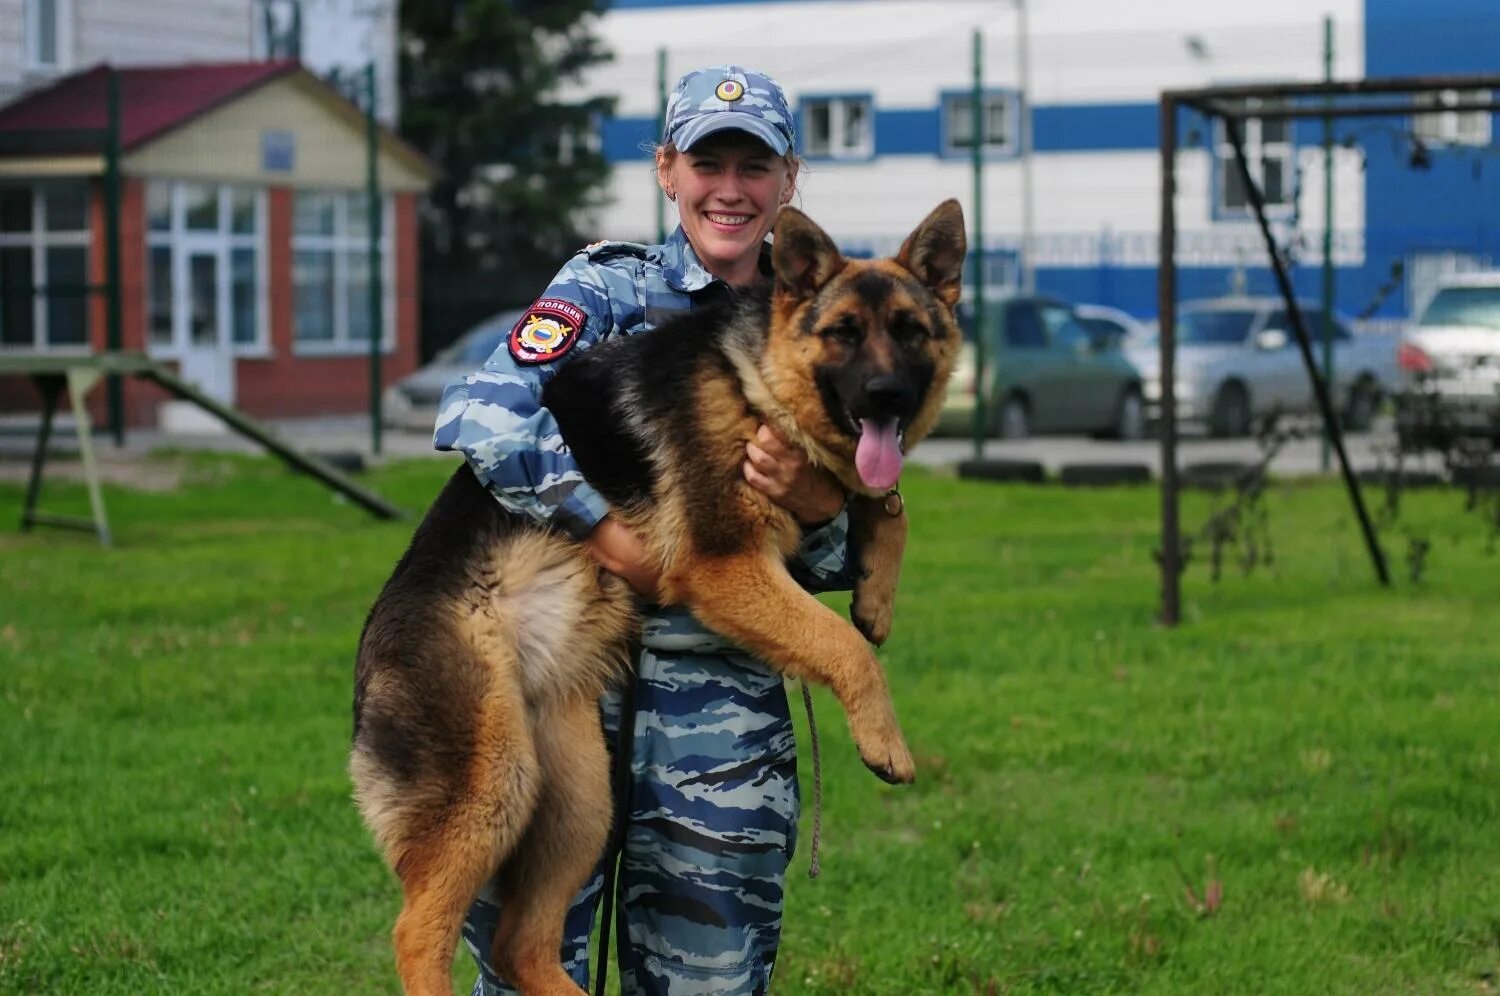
(728, 97)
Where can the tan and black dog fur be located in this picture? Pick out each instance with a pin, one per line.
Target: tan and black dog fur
(477, 741)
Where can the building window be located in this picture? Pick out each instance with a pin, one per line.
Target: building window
(838, 127)
(1268, 152)
(998, 116)
(1452, 127)
(205, 280)
(331, 271)
(48, 37)
(44, 242)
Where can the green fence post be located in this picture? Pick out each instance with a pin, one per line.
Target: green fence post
(661, 127)
(113, 335)
(976, 251)
(377, 310)
(1327, 329)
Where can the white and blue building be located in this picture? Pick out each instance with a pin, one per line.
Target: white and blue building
(882, 89)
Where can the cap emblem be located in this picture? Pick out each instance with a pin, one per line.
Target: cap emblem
(729, 90)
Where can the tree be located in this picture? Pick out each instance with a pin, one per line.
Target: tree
(482, 84)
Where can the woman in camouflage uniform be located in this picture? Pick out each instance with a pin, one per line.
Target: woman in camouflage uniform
(713, 797)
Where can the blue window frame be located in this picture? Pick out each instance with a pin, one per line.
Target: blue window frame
(837, 126)
(999, 124)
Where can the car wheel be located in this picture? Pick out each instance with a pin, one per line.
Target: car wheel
(1231, 412)
(1364, 399)
(1013, 420)
(1130, 417)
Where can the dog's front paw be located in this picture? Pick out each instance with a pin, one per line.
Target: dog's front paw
(897, 766)
(872, 617)
(882, 746)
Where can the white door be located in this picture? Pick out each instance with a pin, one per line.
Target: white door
(207, 359)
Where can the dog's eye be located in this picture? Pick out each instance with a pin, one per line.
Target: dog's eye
(908, 331)
(846, 332)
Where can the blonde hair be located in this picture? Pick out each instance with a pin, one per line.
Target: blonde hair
(664, 153)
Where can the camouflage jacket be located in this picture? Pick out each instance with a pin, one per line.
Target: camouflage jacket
(494, 417)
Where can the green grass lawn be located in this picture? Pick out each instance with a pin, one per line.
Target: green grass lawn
(175, 712)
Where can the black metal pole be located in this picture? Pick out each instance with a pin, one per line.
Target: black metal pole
(51, 387)
(1166, 309)
(372, 252)
(1320, 386)
(114, 390)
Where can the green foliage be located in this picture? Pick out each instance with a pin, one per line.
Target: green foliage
(1293, 793)
(482, 84)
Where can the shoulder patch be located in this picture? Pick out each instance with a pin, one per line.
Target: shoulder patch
(547, 331)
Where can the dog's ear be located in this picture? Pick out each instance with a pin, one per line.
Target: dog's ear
(803, 256)
(934, 253)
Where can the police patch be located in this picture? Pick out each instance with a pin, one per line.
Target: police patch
(547, 331)
(730, 90)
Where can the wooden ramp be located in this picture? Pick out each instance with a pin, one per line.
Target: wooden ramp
(78, 375)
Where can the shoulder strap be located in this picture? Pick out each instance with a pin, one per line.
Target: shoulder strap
(609, 250)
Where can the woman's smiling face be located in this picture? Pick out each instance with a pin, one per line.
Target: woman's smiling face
(728, 189)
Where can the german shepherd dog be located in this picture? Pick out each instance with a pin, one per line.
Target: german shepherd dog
(477, 738)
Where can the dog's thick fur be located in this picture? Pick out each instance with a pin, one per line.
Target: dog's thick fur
(477, 741)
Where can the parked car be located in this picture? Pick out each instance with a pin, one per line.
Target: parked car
(412, 402)
(1451, 359)
(1237, 360)
(1120, 327)
(1045, 372)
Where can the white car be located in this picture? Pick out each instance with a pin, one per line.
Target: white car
(1452, 353)
(1237, 360)
(1118, 328)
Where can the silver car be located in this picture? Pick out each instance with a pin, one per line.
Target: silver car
(412, 402)
(1237, 360)
(1049, 369)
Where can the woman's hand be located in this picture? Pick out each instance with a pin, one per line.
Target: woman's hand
(782, 472)
(617, 549)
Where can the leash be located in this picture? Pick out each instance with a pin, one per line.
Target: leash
(624, 742)
(814, 868)
(893, 505)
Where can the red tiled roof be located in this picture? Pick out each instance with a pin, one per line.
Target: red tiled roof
(153, 100)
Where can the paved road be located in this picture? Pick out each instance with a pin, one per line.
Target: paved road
(1297, 457)
(351, 434)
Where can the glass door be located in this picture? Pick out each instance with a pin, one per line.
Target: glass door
(207, 359)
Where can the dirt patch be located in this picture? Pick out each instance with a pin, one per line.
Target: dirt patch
(140, 473)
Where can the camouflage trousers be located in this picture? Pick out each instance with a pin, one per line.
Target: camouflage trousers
(711, 828)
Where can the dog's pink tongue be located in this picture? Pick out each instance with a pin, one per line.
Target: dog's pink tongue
(878, 456)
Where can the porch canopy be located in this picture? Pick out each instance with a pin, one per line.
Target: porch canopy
(253, 122)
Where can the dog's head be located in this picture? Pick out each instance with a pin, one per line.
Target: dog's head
(860, 350)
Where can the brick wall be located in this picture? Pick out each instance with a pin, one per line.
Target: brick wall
(279, 386)
(287, 385)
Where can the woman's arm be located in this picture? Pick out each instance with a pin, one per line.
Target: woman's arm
(618, 549)
(495, 418)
